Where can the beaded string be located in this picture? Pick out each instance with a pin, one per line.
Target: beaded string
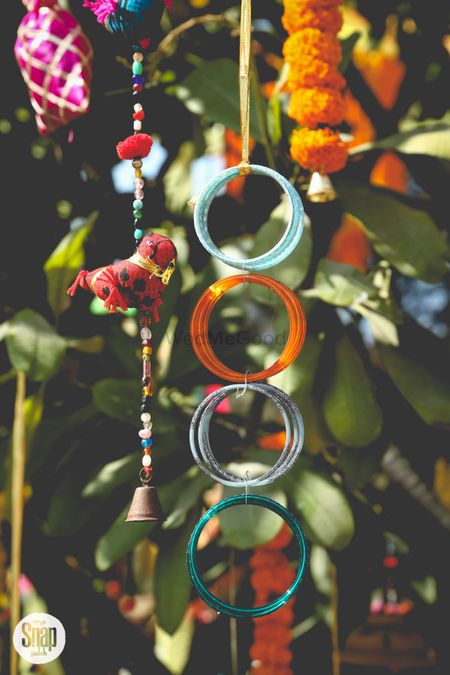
(145, 434)
(138, 117)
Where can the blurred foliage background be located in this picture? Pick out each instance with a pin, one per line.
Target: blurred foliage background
(372, 488)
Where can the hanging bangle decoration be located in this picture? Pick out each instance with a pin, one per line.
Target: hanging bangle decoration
(201, 448)
(199, 431)
(213, 601)
(205, 306)
(294, 230)
(140, 280)
(280, 251)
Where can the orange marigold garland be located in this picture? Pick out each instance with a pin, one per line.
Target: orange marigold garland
(318, 149)
(313, 53)
(271, 575)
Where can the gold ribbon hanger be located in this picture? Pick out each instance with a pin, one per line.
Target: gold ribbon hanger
(245, 41)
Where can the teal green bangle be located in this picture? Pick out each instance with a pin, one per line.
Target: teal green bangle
(281, 250)
(219, 605)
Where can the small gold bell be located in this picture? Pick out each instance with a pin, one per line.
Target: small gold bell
(145, 506)
(320, 189)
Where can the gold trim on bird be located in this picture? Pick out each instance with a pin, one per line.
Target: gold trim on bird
(156, 270)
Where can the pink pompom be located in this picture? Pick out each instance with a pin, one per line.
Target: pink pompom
(101, 8)
(138, 145)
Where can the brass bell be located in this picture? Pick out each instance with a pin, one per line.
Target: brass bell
(145, 506)
(320, 189)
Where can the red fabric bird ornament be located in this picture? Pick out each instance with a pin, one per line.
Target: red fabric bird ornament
(137, 281)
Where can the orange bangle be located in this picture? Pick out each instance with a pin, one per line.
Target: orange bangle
(202, 313)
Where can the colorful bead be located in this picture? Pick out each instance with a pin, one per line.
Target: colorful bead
(138, 204)
(137, 125)
(136, 163)
(146, 460)
(147, 391)
(146, 333)
(138, 183)
(137, 88)
(137, 214)
(139, 194)
(138, 79)
(138, 234)
(147, 350)
(146, 357)
(138, 56)
(147, 470)
(146, 417)
(138, 173)
(139, 114)
(137, 68)
(145, 433)
(146, 442)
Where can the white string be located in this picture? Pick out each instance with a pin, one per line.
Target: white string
(241, 392)
(247, 477)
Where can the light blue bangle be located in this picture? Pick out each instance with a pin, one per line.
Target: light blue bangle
(280, 251)
(200, 442)
(219, 605)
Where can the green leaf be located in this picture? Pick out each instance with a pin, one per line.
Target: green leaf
(315, 434)
(428, 394)
(64, 263)
(428, 138)
(124, 350)
(117, 398)
(212, 90)
(382, 328)
(119, 540)
(56, 432)
(274, 124)
(351, 412)
(89, 345)
(404, 236)
(193, 487)
(358, 467)
(172, 583)
(111, 476)
(299, 377)
(34, 346)
(173, 651)
(323, 507)
(295, 268)
(122, 537)
(170, 297)
(245, 527)
(340, 284)
(177, 180)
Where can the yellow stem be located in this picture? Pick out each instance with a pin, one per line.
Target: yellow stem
(336, 654)
(18, 478)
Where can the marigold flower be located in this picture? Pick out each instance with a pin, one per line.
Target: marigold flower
(298, 15)
(318, 150)
(283, 616)
(266, 558)
(314, 73)
(311, 43)
(313, 106)
(277, 633)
